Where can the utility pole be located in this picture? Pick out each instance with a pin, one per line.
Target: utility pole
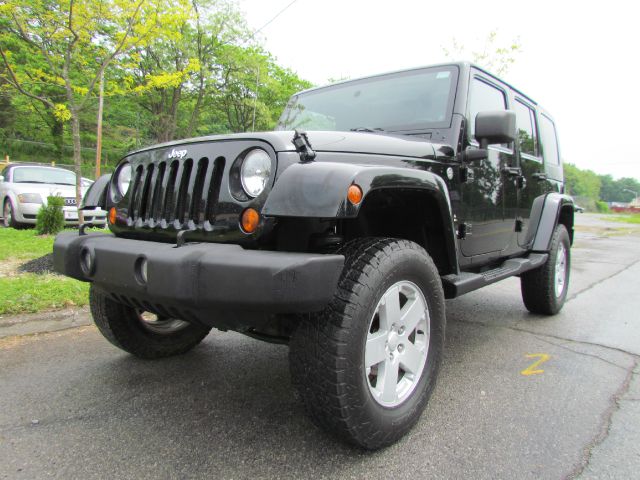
(255, 101)
(99, 133)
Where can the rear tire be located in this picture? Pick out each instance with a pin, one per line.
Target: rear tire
(126, 328)
(544, 290)
(366, 392)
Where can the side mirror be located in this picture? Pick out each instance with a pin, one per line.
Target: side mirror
(494, 127)
(1, 178)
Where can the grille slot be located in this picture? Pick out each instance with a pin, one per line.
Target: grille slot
(176, 194)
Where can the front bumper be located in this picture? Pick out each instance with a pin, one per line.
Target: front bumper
(198, 281)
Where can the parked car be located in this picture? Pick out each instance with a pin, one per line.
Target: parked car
(342, 241)
(24, 189)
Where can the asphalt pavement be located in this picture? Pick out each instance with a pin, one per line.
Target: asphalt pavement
(519, 396)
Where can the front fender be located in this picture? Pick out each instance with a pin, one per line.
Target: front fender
(96, 196)
(319, 189)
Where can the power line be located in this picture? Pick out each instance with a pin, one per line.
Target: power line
(266, 24)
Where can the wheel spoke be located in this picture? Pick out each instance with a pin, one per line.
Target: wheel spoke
(375, 350)
(412, 313)
(411, 358)
(390, 308)
(389, 381)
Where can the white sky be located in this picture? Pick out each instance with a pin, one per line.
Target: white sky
(579, 59)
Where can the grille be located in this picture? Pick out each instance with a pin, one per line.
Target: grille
(70, 201)
(179, 194)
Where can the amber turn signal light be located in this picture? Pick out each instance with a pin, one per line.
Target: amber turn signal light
(112, 215)
(354, 194)
(249, 220)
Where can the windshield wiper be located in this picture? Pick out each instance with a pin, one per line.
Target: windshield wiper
(367, 129)
(29, 181)
(63, 183)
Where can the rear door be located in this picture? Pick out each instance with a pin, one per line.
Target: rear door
(489, 197)
(531, 165)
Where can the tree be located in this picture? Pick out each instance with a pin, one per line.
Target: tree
(66, 46)
(581, 183)
(494, 57)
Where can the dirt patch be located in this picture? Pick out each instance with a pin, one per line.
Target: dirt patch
(41, 266)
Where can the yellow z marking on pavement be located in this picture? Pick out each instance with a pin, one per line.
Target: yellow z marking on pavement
(533, 368)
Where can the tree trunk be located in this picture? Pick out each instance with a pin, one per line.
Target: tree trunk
(57, 134)
(77, 160)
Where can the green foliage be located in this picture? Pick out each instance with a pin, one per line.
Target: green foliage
(192, 71)
(50, 219)
(618, 190)
(602, 207)
(581, 183)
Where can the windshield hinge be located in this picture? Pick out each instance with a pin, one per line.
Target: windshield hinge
(303, 147)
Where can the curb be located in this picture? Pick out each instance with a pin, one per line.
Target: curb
(43, 322)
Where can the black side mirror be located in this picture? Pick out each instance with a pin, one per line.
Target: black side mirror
(495, 127)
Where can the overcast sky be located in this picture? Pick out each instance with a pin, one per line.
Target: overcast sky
(579, 59)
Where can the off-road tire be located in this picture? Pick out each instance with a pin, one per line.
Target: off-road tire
(121, 325)
(327, 349)
(538, 286)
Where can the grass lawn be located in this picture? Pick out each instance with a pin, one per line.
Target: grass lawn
(23, 244)
(626, 219)
(29, 292)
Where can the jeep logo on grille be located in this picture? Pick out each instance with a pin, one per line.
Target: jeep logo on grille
(179, 154)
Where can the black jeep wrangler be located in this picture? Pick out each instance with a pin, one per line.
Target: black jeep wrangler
(340, 234)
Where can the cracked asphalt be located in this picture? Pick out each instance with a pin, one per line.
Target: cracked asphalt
(73, 406)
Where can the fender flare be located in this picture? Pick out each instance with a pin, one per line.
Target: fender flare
(545, 217)
(319, 190)
(96, 196)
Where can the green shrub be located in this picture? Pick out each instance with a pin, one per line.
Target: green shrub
(50, 219)
(602, 207)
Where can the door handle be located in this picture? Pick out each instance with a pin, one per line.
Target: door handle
(540, 176)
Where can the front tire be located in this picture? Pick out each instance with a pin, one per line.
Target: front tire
(140, 334)
(544, 290)
(366, 365)
(8, 215)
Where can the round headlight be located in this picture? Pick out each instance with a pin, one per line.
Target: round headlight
(255, 172)
(123, 179)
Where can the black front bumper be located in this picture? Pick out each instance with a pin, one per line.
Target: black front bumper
(206, 282)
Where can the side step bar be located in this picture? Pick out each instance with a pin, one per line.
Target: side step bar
(456, 285)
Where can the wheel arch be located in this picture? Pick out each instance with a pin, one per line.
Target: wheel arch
(557, 209)
(397, 202)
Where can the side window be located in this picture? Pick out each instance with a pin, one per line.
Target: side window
(483, 97)
(526, 124)
(549, 141)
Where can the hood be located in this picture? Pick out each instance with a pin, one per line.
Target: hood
(348, 142)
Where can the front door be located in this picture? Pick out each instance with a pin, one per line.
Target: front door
(489, 196)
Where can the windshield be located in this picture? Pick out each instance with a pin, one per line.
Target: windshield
(412, 100)
(43, 175)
